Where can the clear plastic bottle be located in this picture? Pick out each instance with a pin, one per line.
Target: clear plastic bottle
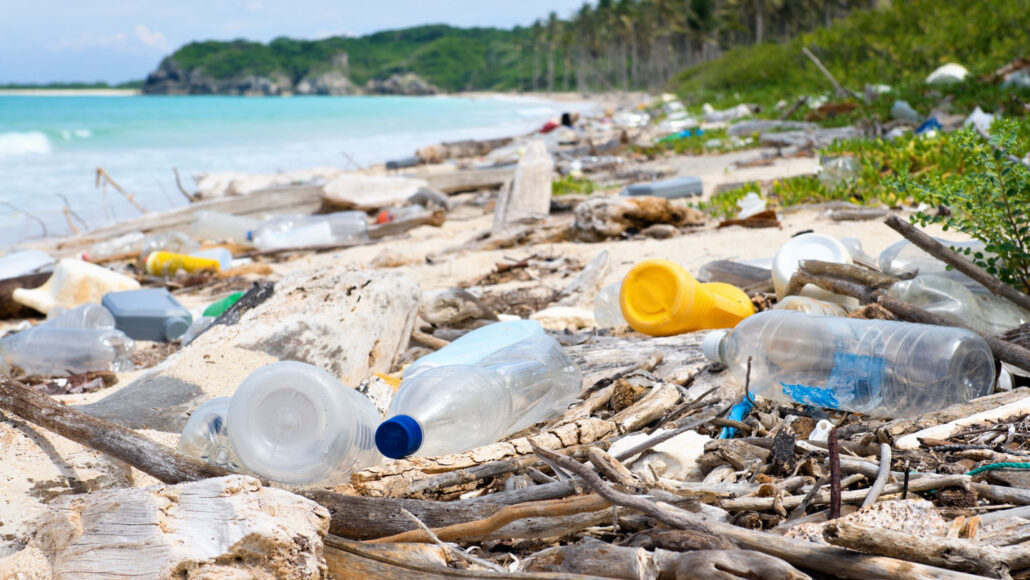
(88, 315)
(49, 350)
(214, 225)
(878, 367)
(295, 423)
(206, 435)
(953, 301)
(477, 345)
(296, 231)
(904, 256)
(607, 310)
(172, 242)
(810, 306)
(125, 245)
(449, 409)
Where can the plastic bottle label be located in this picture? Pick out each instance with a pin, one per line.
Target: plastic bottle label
(854, 382)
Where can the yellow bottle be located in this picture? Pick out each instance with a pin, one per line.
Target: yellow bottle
(167, 263)
(660, 298)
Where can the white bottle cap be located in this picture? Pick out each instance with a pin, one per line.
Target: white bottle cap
(821, 431)
(710, 345)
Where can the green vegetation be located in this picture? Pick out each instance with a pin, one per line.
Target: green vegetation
(990, 200)
(573, 184)
(897, 45)
(99, 85)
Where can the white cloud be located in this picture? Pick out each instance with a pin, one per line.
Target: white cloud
(87, 41)
(152, 38)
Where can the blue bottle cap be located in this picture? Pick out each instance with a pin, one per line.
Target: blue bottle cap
(399, 436)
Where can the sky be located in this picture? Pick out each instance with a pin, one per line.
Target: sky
(121, 40)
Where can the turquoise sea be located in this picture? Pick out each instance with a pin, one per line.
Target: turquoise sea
(51, 146)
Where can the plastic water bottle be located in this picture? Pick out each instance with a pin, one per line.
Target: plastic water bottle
(477, 345)
(904, 256)
(810, 306)
(449, 409)
(172, 242)
(88, 315)
(49, 350)
(950, 299)
(206, 435)
(125, 246)
(607, 310)
(877, 367)
(296, 231)
(294, 423)
(214, 225)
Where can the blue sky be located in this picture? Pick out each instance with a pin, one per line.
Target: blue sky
(120, 40)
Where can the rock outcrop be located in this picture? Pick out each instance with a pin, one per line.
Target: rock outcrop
(330, 82)
(401, 84)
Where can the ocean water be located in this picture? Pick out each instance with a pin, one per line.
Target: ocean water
(51, 146)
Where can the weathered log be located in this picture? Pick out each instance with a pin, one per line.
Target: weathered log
(950, 553)
(468, 179)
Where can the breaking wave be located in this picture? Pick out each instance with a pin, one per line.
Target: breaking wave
(32, 142)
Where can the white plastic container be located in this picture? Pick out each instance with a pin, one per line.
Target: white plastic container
(878, 367)
(449, 409)
(206, 435)
(23, 262)
(49, 350)
(751, 204)
(73, 282)
(297, 231)
(477, 345)
(607, 311)
(214, 225)
(88, 315)
(810, 306)
(809, 247)
(294, 423)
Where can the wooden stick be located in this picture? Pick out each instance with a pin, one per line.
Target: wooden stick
(119, 442)
(503, 517)
(881, 477)
(178, 185)
(951, 553)
(841, 91)
(803, 554)
(492, 469)
(797, 105)
(950, 257)
(834, 474)
(101, 173)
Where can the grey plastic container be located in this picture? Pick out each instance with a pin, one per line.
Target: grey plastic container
(148, 314)
(669, 188)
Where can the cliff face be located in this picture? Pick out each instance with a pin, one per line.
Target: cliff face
(171, 78)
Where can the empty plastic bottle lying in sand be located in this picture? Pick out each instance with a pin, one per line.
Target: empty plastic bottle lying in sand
(877, 367)
(54, 350)
(448, 409)
(952, 300)
(126, 245)
(206, 435)
(294, 423)
(297, 231)
(475, 346)
(607, 310)
(904, 256)
(73, 282)
(88, 315)
(660, 298)
(214, 225)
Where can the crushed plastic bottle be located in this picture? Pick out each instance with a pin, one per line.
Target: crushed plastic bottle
(50, 350)
(477, 345)
(903, 256)
(73, 282)
(89, 315)
(607, 310)
(124, 245)
(877, 367)
(952, 301)
(660, 298)
(214, 225)
(295, 423)
(837, 170)
(449, 409)
(296, 231)
(206, 435)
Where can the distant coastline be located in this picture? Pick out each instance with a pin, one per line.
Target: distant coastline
(71, 92)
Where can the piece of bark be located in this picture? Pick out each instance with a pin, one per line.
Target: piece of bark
(953, 259)
(950, 553)
(804, 554)
(762, 219)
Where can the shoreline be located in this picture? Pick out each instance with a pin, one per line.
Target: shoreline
(71, 92)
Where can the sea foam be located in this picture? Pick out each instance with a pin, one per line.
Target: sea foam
(32, 142)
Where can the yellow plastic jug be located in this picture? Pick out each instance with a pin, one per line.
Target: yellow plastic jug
(167, 263)
(660, 298)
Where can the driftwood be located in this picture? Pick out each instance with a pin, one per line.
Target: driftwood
(468, 179)
(841, 91)
(952, 553)
(11, 309)
(804, 554)
(953, 259)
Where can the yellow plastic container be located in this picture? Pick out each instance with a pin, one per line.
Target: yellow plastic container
(167, 263)
(660, 298)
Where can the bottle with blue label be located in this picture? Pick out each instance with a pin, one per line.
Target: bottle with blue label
(480, 393)
(877, 367)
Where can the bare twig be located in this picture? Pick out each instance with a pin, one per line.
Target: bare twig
(70, 211)
(800, 509)
(950, 257)
(178, 185)
(462, 554)
(103, 174)
(841, 91)
(834, 474)
(797, 105)
(42, 224)
(881, 477)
